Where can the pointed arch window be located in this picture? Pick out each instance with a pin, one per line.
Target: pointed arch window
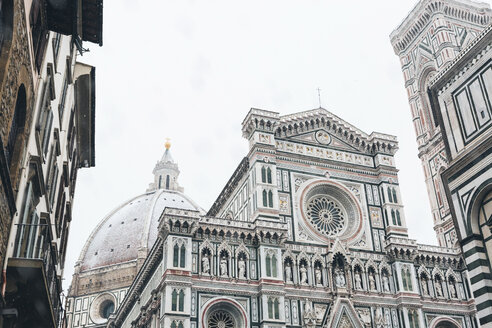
(181, 300)
(413, 318)
(160, 181)
(269, 175)
(274, 266)
(268, 265)
(273, 308)
(173, 324)
(276, 308)
(390, 197)
(270, 198)
(182, 257)
(180, 325)
(265, 198)
(409, 279)
(404, 279)
(263, 174)
(395, 199)
(398, 218)
(393, 218)
(167, 181)
(176, 255)
(270, 308)
(174, 300)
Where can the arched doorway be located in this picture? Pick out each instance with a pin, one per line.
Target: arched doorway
(445, 322)
(224, 313)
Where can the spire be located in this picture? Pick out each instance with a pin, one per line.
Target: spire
(166, 172)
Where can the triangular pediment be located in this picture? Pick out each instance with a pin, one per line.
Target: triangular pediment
(344, 315)
(320, 126)
(322, 137)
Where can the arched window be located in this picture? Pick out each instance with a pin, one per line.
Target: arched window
(390, 198)
(413, 318)
(270, 308)
(274, 266)
(174, 300)
(268, 266)
(393, 216)
(173, 324)
(409, 279)
(398, 219)
(265, 199)
(167, 181)
(176, 255)
(269, 175)
(180, 325)
(394, 196)
(382, 195)
(182, 258)
(404, 279)
(276, 309)
(270, 198)
(181, 300)
(263, 174)
(160, 181)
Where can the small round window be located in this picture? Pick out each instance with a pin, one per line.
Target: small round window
(106, 309)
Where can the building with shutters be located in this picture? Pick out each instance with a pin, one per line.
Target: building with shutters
(46, 134)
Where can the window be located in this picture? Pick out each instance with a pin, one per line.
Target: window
(394, 195)
(56, 46)
(39, 35)
(390, 198)
(270, 198)
(176, 255)
(273, 308)
(265, 201)
(182, 258)
(177, 300)
(167, 181)
(45, 119)
(398, 219)
(406, 278)
(269, 175)
(63, 97)
(393, 216)
(263, 174)
(268, 266)
(160, 181)
(413, 318)
(271, 265)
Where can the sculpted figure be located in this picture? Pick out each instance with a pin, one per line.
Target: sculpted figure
(372, 282)
(358, 280)
(205, 265)
(288, 272)
(386, 286)
(438, 289)
(317, 273)
(339, 278)
(242, 268)
(452, 290)
(423, 283)
(223, 267)
(303, 271)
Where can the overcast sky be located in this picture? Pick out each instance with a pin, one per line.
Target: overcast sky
(190, 71)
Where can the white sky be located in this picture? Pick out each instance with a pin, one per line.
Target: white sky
(190, 70)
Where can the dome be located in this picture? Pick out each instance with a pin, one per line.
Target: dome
(129, 228)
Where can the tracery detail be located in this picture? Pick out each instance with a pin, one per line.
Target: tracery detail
(326, 215)
(221, 319)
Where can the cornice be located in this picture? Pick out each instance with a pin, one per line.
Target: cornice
(477, 13)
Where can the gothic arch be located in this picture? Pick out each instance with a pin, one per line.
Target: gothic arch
(473, 213)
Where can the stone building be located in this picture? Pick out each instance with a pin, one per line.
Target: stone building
(427, 40)
(309, 231)
(461, 96)
(46, 135)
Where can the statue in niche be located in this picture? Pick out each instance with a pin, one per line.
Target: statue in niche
(380, 321)
(365, 317)
(340, 278)
(242, 268)
(223, 267)
(205, 265)
(358, 280)
(288, 272)
(386, 285)
(423, 284)
(438, 288)
(303, 271)
(372, 281)
(452, 290)
(317, 273)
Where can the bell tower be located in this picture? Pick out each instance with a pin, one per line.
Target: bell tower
(429, 38)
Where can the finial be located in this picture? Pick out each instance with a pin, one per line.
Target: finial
(167, 144)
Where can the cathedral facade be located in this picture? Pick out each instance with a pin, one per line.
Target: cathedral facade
(309, 231)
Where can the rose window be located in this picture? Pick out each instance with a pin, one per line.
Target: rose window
(221, 319)
(326, 215)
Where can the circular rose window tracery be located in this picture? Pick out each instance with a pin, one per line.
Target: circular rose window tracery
(326, 215)
(221, 319)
